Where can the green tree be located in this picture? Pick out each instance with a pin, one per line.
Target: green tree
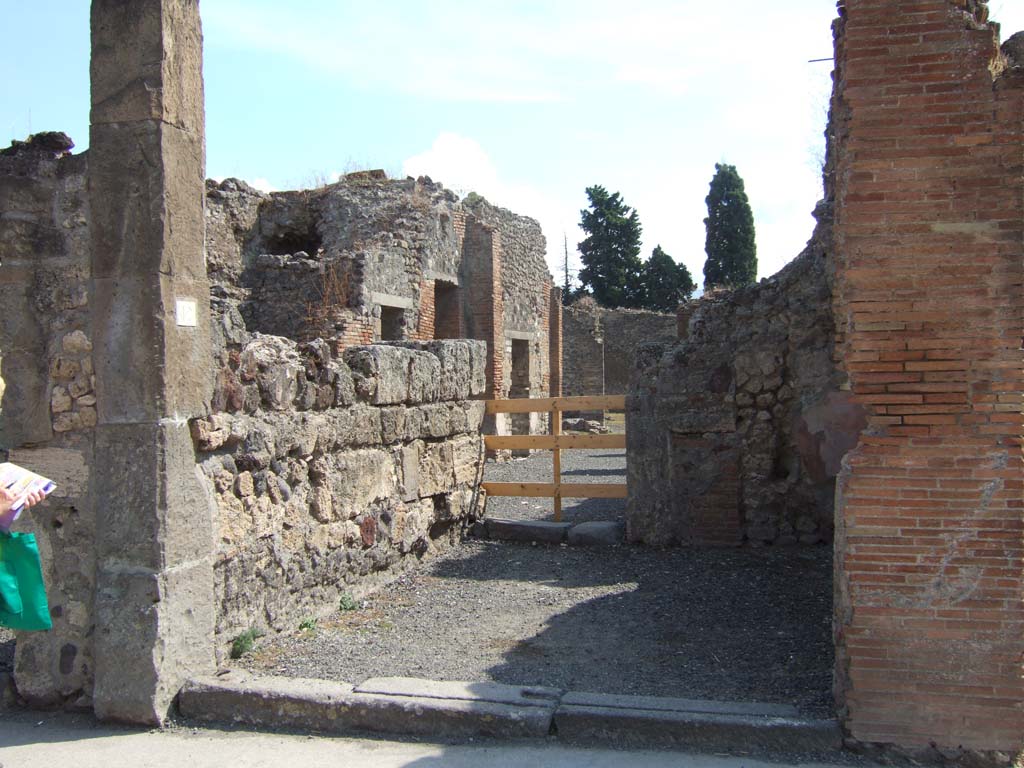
(611, 251)
(730, 247)
(665, 283)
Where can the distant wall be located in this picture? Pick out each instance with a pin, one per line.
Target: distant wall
(600, 346)
(370, 258)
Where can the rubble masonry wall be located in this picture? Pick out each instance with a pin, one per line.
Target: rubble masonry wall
(735, 432)
(48, 408)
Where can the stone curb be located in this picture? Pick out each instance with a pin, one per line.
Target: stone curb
(694, 731)
(599, 533)
(443, 710)
(273, 702)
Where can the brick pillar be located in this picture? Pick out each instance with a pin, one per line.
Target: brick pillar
(929, 226)
(482, 261)
(555, 343)
(151, 334)
(426, 329)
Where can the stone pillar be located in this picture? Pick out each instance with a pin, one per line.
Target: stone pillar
(151, 337)
(555, 343)
(929, 264)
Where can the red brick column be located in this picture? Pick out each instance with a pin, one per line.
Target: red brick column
(486, 304)
(425, 322)
(929, 226)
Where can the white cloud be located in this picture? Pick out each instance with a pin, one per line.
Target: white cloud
(459, 163)
(263, 185)
(449, 50)
(708, 82)
(464, 166)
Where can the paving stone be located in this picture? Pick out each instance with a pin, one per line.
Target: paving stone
(528, 530)
(666, 704)
(529, 696)
(597, 533)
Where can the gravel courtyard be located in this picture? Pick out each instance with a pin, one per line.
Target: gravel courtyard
(578, 466)
(747, 624)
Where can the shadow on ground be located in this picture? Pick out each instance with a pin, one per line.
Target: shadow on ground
(742, 624)
(725, 624)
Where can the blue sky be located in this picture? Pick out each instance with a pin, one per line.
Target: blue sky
(525, 102)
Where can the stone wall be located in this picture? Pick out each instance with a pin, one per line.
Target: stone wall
(735, 433)
(48, 410)
(600, 345)
(929, 226)
(330, 471)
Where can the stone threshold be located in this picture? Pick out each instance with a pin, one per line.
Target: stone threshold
(597, 533)
(458, 710)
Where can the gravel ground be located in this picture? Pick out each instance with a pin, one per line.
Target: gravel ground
(723, 624)
(578, 466)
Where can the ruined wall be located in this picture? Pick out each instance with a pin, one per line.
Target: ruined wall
(48, 410)
(329, 471)
(732, 433)
(370, 258)
(323, 263)
(929, 229)
(601, 345)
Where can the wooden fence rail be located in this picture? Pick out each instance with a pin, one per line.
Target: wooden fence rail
(556, 442)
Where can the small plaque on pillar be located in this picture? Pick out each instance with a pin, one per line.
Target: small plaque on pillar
(185, 312)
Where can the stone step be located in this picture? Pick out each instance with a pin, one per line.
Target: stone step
(697, 725)
(596, 533)
(496, 693)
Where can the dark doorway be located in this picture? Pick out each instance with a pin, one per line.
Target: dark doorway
(392, 324)
(446, 311)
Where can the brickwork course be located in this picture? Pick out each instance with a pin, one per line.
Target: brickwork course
(929, 225)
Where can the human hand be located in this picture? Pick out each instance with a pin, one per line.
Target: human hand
(7, 499)
(34, 498)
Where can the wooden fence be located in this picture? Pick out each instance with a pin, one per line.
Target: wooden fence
(556, 442)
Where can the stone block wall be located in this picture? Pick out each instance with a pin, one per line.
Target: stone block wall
(929, 226)
(48, 408)
(330, 471)
(734, 434)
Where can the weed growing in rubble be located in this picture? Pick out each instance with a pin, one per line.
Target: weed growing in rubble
(244, 643)
(348, 603)
(308, 624)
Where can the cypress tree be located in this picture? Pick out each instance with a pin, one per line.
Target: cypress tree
(665, 283)
(611, 251)
(730, 247)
